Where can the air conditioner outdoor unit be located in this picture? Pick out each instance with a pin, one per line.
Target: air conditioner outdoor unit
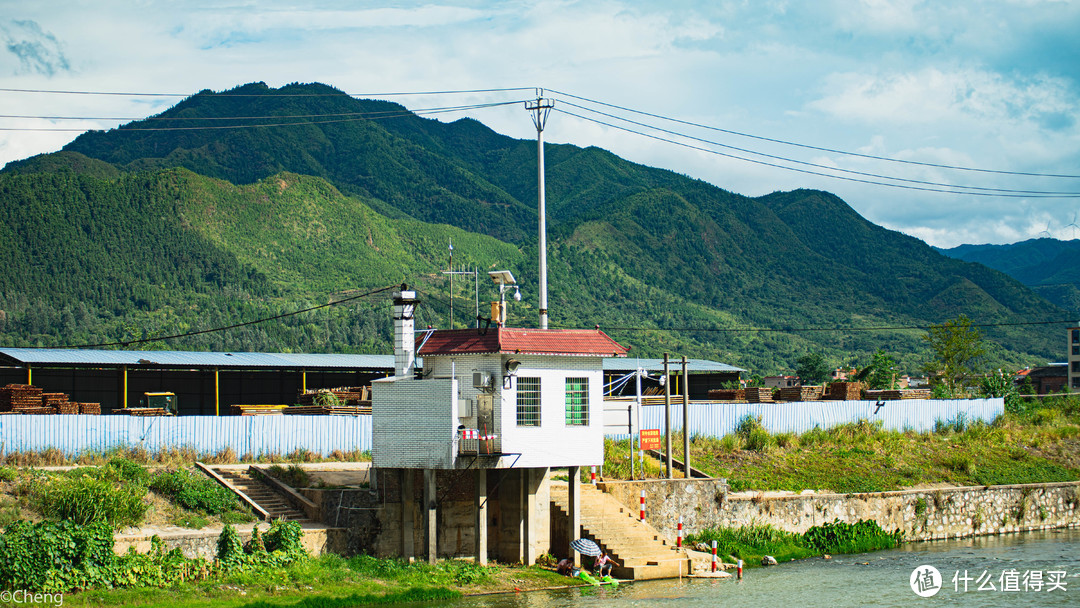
(483, 381)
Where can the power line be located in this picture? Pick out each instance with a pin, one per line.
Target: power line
(815, 329)
(808, 172)
(228, 327)
(226, 94)
(818, 148)
(815, 165)
(360, 117)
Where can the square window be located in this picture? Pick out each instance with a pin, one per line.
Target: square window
(528, 401)
(577, 401)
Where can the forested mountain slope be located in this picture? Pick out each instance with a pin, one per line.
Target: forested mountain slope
(360, 194)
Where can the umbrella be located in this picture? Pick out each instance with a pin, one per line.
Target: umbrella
(585, 546)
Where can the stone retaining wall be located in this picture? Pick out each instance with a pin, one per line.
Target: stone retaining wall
(920, 514)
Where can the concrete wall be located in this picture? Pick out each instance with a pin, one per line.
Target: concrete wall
(920, 514)
(203, 543)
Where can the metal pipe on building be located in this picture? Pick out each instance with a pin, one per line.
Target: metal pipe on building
(686, 417)
(667, 420)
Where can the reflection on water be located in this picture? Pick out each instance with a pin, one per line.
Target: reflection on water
(872, 579)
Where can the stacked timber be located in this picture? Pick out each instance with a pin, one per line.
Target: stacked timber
(328, 410)
(19, 397)
(759, 394)
(258, 410)
(895, 395)
(346, 395)
(91, 409)
(727, 394)
(844, 391)
(800, 393)
(142, 411)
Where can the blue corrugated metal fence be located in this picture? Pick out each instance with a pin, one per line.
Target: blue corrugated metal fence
(255, 435)
(719, 419)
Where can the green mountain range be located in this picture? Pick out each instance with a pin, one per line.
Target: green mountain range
(1051, 268)
(167, 226)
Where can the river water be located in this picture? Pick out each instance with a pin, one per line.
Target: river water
(1032, 563)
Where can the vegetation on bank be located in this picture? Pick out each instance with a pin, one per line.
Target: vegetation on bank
(1034, 442)
(752, 543)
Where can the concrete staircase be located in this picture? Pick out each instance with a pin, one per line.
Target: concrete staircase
(265, 501)
(640, 549)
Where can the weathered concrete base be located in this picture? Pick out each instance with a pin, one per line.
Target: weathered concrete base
(317, 539)
(919, 514)
(373, 516)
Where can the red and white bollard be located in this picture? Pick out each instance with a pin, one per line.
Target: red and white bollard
(740, 570)
(714, 556)
(642, 512)
(592, 474)
(678, 539)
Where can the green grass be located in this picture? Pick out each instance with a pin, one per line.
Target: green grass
(752, 543)
(1037, 446)
(332, 581)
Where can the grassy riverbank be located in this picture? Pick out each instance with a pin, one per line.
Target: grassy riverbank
(1038, 444)
(331, 581)
(752, 543)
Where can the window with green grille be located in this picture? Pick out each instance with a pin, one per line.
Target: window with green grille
(577, 401)
(528, 401)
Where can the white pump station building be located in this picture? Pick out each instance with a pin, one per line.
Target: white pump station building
(501, 401)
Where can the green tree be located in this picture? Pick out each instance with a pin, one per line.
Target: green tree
(880, 373)
(956, 349)
(812, 368)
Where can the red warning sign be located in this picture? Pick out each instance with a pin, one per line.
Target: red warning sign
(650, 439)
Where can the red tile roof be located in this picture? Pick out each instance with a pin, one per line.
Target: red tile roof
(517, 341)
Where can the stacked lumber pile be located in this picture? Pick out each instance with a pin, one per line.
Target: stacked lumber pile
(844, 391)
(258, 410)
(800, 393)
(29, 399)
(727, 394)
(142, 411)
(19, 397)
(347, 395)
(759, 394)
(895, 395)
(328, 410)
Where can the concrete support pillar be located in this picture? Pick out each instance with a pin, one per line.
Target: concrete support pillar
(575, 509)
(528, 517)
(408, 514)
(430, 519)
(481, 517)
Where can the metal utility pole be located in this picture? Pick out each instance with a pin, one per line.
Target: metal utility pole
(540, 108)
(667, 419)
(451, 269)
(686, 417)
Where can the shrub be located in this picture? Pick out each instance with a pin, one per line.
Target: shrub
(194, 492)
(860, 537)
(294, 475)
(83, 500)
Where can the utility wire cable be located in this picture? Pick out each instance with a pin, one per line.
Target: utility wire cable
(233, 326)
(815, 165)
(812, 329)
(810, 147)
(226, 94)
(425, 112)
(807, 171)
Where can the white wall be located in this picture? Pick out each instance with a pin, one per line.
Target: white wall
(553, 444)
(413, 425)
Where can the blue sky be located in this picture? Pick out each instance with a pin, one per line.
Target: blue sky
(982, 84)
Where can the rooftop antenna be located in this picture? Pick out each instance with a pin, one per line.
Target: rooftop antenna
(1047, 231)
(476, 286)
(540, 108)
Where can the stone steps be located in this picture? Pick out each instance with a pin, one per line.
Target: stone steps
(263, 495)
(640, 549)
